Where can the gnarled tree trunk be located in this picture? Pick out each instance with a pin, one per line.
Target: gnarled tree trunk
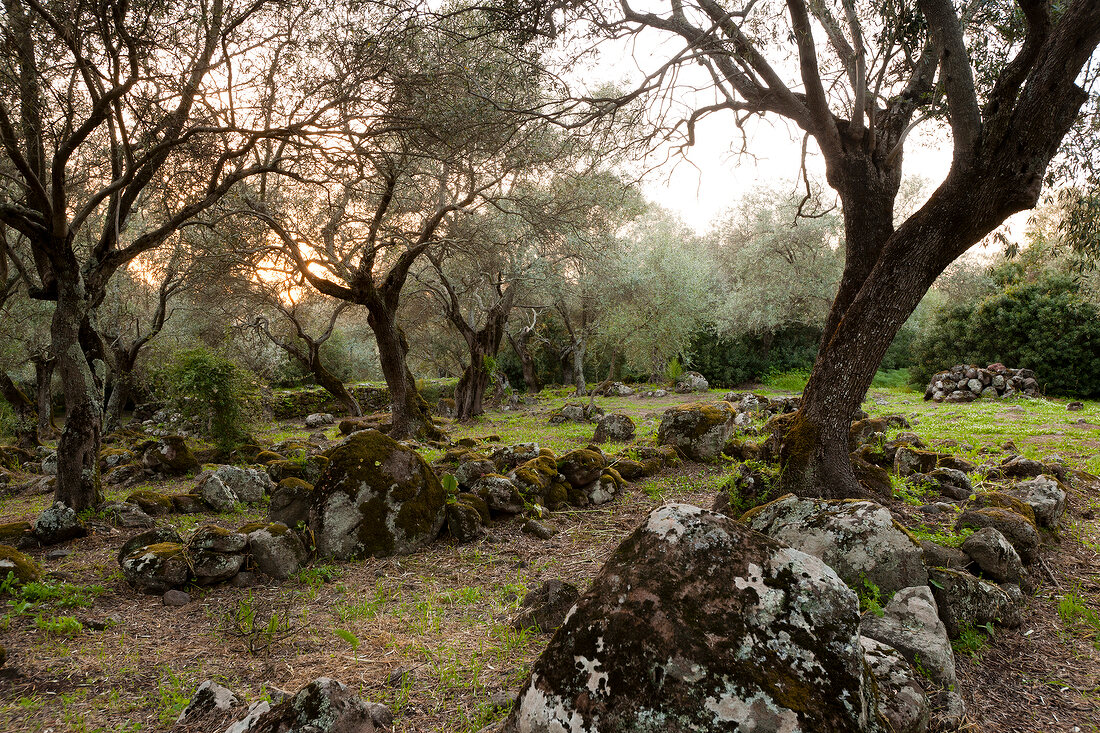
(410, 413)
(43, 376)
(521, 344)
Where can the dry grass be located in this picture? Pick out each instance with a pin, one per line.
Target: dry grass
(442, 614)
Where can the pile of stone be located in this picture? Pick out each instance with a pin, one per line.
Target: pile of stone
(965, 383)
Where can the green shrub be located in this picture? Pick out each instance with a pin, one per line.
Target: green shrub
(727, 361)
(1044, 325)
(210, 389)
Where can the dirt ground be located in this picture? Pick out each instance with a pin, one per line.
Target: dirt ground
(428, 634)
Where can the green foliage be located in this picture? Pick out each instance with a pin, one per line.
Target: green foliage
(728, 361)
(1044, 325)
(972, 640)
(212, 390)
(1074, 612)
(58, 625)
(891, 379)
(792, 380)
(7, 421)
(259, 628)
(674, 369)
(870, 597)
(450, 484)
(347, 636)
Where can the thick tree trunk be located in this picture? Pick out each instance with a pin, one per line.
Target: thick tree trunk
(411, 417)
(26, 417)
(78, 483)
(578, 367)
(334, 386)
(521, 345)
(470, 393)
(121, 381)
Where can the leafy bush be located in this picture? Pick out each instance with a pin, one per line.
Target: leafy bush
(209, 389)
(730, 361)
(1044, 325)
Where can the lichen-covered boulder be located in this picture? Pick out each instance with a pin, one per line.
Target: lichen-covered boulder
(1017, 529)
(1001, 500)
(210, 703)
(908, 461)
(697, 429)
(157, 568)
(510, 456)
(1045, 496)
(249, 484)
(605, 488)
(697, 623)
(464, 522)
(858, 539)
(319, 419)
(996, 557)
(290, 502)
(22, 567)
(151, 502)
(277, 550)
(581, 467)
(153, 536)
(168, 455)
(535, 477)
(545, 607)
(375, 498)
(614, 427)
(473, 468)
(964, 601)
(323, 706)
(58, 523)
(217, 539)
(216, 495)
(950, 482)
(901, 698)
(691, 382)
(910, 623)
(500, 495)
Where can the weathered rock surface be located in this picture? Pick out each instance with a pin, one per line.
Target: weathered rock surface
(1045, 496)
(210, 703)
(691, 382)
(965, 601)
(500, 494)
(697, 429)
(290, 502)
(248, 484)
(911, 624)
(996, 557)
(277, 550)
(546, 606)
(697, 623)
(168, 455)
(323, 706)
(1017, 529)
(22, 567)
(376, 498)
(614, 427)
(157, 568)
(901, 699)
(58, 523)
(858, 539)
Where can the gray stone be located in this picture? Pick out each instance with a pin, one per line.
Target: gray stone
(910, 624)
(209, 699)
(996, 557)
(463, 522)
(1017, 529)
(691, 382)
(536, 528)
(58, 523)
(157, 568)
(964, 601)
(175, 598)
(323, 706)
(247, 484)
(469, 472)
(614, 427)
(697, 623)
(49, 464)
(210, 567)
(319, 419)
(858, 539)
(376, 498)
(699, 430)
(217, 495)
(546, 606)
(127, 516)
(500, 494)
(277, 550)
(1045, 496)
(901, 700)
(941, 556)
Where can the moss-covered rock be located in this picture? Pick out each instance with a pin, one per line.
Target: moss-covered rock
(155, 536)
(614, 427)
(157, 568)
(500, 495)
(858, 539)
(697, 429)
(873, 479)
(464, 522)
(581, 467)
(290, 502)
(22, 567)
(630, 469)
(535, 477)
(510, 456)
(1045, 495)
(377, 498)
(265, 457)
(14, 533)
(168, 455)
(217, 539)
(697, 623)
(210, 567)
(966, 602)
(188, 503)
(908, 461)
(58, 523)
(740, 449)
(112, 457)
(1001, 500)
(152, 503)
(1017, 529)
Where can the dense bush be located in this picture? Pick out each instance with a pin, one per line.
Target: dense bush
(210, 390)
(728, 362)
(1044, 325)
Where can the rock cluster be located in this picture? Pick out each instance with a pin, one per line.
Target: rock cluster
(965, 383)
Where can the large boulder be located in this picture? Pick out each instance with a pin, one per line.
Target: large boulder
(901, 697)
(697, 623)
(157, 568)
(168, 455)
(581, 467)
(910, 623)
(996, 557)
(1045, 496)
(615, 427)
(858, 539)
(277, 550)
(697, 429)
(58, 523)
(1017, 529)
(691, 382)
(376, 497)
(249, 484)
(290, 502)
(964, 601)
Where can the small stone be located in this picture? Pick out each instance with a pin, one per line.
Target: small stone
(380, 714)
(537, 529)
(1075, 406)
(176, 598)
(398, 677)
(58, 554)
(501, 699)
(57, 524)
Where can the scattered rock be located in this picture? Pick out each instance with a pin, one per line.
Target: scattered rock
(901, 699)
(546, 606)
(500, 494)
(126, 515)
(1017, 529)
(940, 556)
(581, 467)
(209, 703)
(1075, 406)
(153, 503)
(319, 419)
(639, 652)
(58, 523)
(323, 706)
(247, 484)
(290, 502)
(464, 522)
(375, 498)
(168, 455)
(536, 528)
(614, 427)
(697, 429)
(858, 539)
(277, 550)
(469, 471)
(217, 495)
(691, 382)
(158, 568)
(964, 601)
(910, 623)
(22, 567)
(1045, 496)
(175, 598)
(996, 557)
